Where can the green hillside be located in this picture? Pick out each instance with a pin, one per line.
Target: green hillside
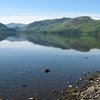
(5, 31)
(2, 26)
(83, 24)
(81, 33)
(14, 25)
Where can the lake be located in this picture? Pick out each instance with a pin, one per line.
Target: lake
(23, 64)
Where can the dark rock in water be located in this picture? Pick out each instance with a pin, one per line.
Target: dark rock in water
(36, 94)
(62, 92)
(47, 70)
(86, 57)
(84, 73)
(68, 82)
(77, 82)
(85, 81)
(80, 79)
(24, 85)
(54, 91)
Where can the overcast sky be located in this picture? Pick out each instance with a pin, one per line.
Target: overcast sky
(27, 11)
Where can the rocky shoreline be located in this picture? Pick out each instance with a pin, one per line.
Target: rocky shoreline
(90, 89)
(87, 88)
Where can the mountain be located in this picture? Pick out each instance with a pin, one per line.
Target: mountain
(6, 32)
(14, 25)
(2, 26)
(80, 33)
(83, 24)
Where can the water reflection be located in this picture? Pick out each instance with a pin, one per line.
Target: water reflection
(23, 63)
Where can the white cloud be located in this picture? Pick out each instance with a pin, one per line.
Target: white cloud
(92, 15)
(20, 19)
(29, 19)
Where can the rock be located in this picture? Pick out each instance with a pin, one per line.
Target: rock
(31, 98)
(36, 94)
(97, 95)
(68, 82)
(85, 81)
(97, 80)
(70, 86)
(90, 88)
(24, 85)
(95, 90)
(77, 82)
(86, 57)
(76, 87)
(47, 70)
(84, 72)
(62, 92)
(81, 79)
(54, 91)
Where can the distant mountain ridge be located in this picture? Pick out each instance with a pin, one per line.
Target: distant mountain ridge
(14, 25)
(2, 26)
(83, 23)
(6, 32)
(80, 33)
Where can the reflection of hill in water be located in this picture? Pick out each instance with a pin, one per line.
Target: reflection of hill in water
(80, 33)
(59, 42)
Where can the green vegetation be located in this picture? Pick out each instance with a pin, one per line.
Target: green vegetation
(5, 32)
(3, 26)
(82, 43)
(14, 25)
(81, 33)
(83, 24)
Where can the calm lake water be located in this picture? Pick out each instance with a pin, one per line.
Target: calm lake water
(22, 66)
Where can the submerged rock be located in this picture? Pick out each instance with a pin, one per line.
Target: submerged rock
(31, 98)
(47, 70)
(54, 91)
(86, 57)
(24, 85)
(68, 82)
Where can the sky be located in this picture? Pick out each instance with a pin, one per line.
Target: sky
(27, 11)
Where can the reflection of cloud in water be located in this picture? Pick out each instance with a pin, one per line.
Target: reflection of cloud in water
(94, 50)
(25, 45)
(19, 45)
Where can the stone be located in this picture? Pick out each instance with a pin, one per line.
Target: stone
(47, 70)
(31, 98)
(70, 86)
